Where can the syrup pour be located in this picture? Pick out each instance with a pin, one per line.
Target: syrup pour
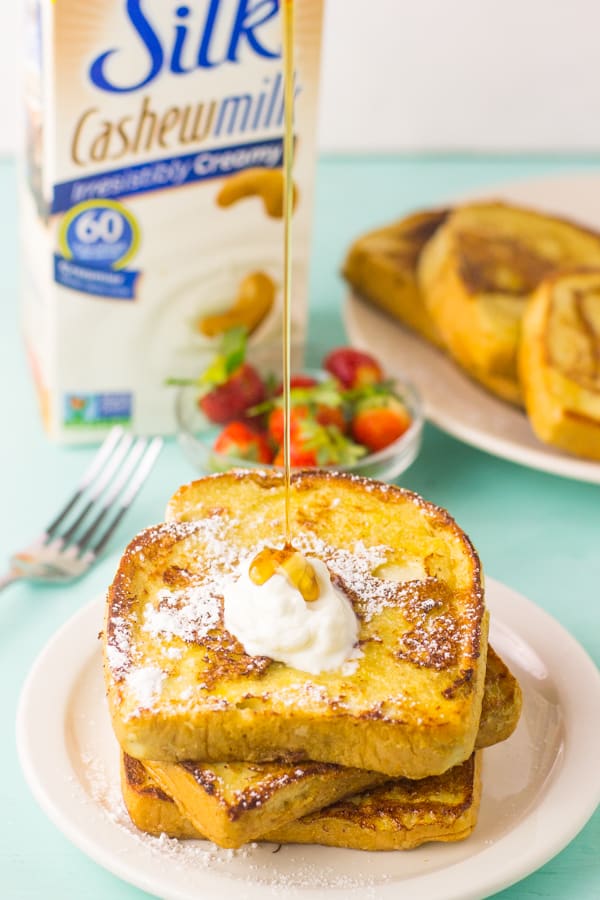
(288, 209)
(287, 560)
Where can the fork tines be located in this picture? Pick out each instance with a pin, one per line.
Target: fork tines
(109, 485)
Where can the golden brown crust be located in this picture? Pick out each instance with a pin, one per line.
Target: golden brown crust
(233, 803)
(399, 815)
(421, 645)
(137, 777)
(450, 793)
(559, 361)
(412, 706)
(381, 266)
(254, 795)
(149, 808)
(502, 703)
(483, 263)
(477, 273)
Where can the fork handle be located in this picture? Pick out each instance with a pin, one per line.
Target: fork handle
(10, 576)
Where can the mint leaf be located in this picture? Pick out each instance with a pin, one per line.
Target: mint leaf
(345, 450)
(233, 348)
(232, 354)
(330, 445)
(326, 393)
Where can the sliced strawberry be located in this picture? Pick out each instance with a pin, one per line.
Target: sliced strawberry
(330, 415)
(300, 457)
(243, 389)
(377, 426)
(322, 414)
(353, 368)
(276, 424)
(314, 444)
(239, 440)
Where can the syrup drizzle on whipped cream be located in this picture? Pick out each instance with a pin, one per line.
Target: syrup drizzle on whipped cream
(273, 619)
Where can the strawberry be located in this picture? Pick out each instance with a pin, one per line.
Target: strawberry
(243, 389)
(238, 439)
(378, 424)
(229, 386)
(353, 368)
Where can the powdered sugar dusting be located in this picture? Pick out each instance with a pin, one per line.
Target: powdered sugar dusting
(117, 659)
(188, 614)
(351, 664)
(189, 608)
(145, 683)
(118, 647)
(354, 568)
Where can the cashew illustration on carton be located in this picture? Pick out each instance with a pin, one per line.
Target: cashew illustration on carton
(264, 183)
(255, 298)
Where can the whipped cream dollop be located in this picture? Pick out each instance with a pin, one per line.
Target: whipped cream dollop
(274, 620)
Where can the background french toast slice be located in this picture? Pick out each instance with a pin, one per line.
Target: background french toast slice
(559, 362)
(399, 815)
(477, 272)
(382, 267)
(233, 803)
(181, 687)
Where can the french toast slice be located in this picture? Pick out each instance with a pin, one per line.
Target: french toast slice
(234, 803)
(381, 266)
(400, 815)
(149, 807)
(478, 271)
(181, 687)
(502, 703)
(559, 361)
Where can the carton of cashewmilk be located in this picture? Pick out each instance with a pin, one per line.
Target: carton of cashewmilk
(151, 196)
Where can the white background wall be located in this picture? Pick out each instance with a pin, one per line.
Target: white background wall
(435, 74)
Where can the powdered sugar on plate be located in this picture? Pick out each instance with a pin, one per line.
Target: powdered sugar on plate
(275, 868)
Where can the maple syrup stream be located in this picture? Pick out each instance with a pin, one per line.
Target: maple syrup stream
(269, 560)
(288, 204)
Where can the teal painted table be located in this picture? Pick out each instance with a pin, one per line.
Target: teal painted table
(538, 533)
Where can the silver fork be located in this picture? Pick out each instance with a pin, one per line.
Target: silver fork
(69, 546)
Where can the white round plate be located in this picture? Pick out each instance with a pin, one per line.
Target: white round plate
(540, 787)
(452, 401)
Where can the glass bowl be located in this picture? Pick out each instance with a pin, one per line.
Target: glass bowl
(196, 434)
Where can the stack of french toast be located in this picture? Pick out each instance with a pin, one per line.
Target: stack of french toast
(383, 753)
(511, 294)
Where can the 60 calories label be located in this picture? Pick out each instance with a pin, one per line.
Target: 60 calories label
(97, 239)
